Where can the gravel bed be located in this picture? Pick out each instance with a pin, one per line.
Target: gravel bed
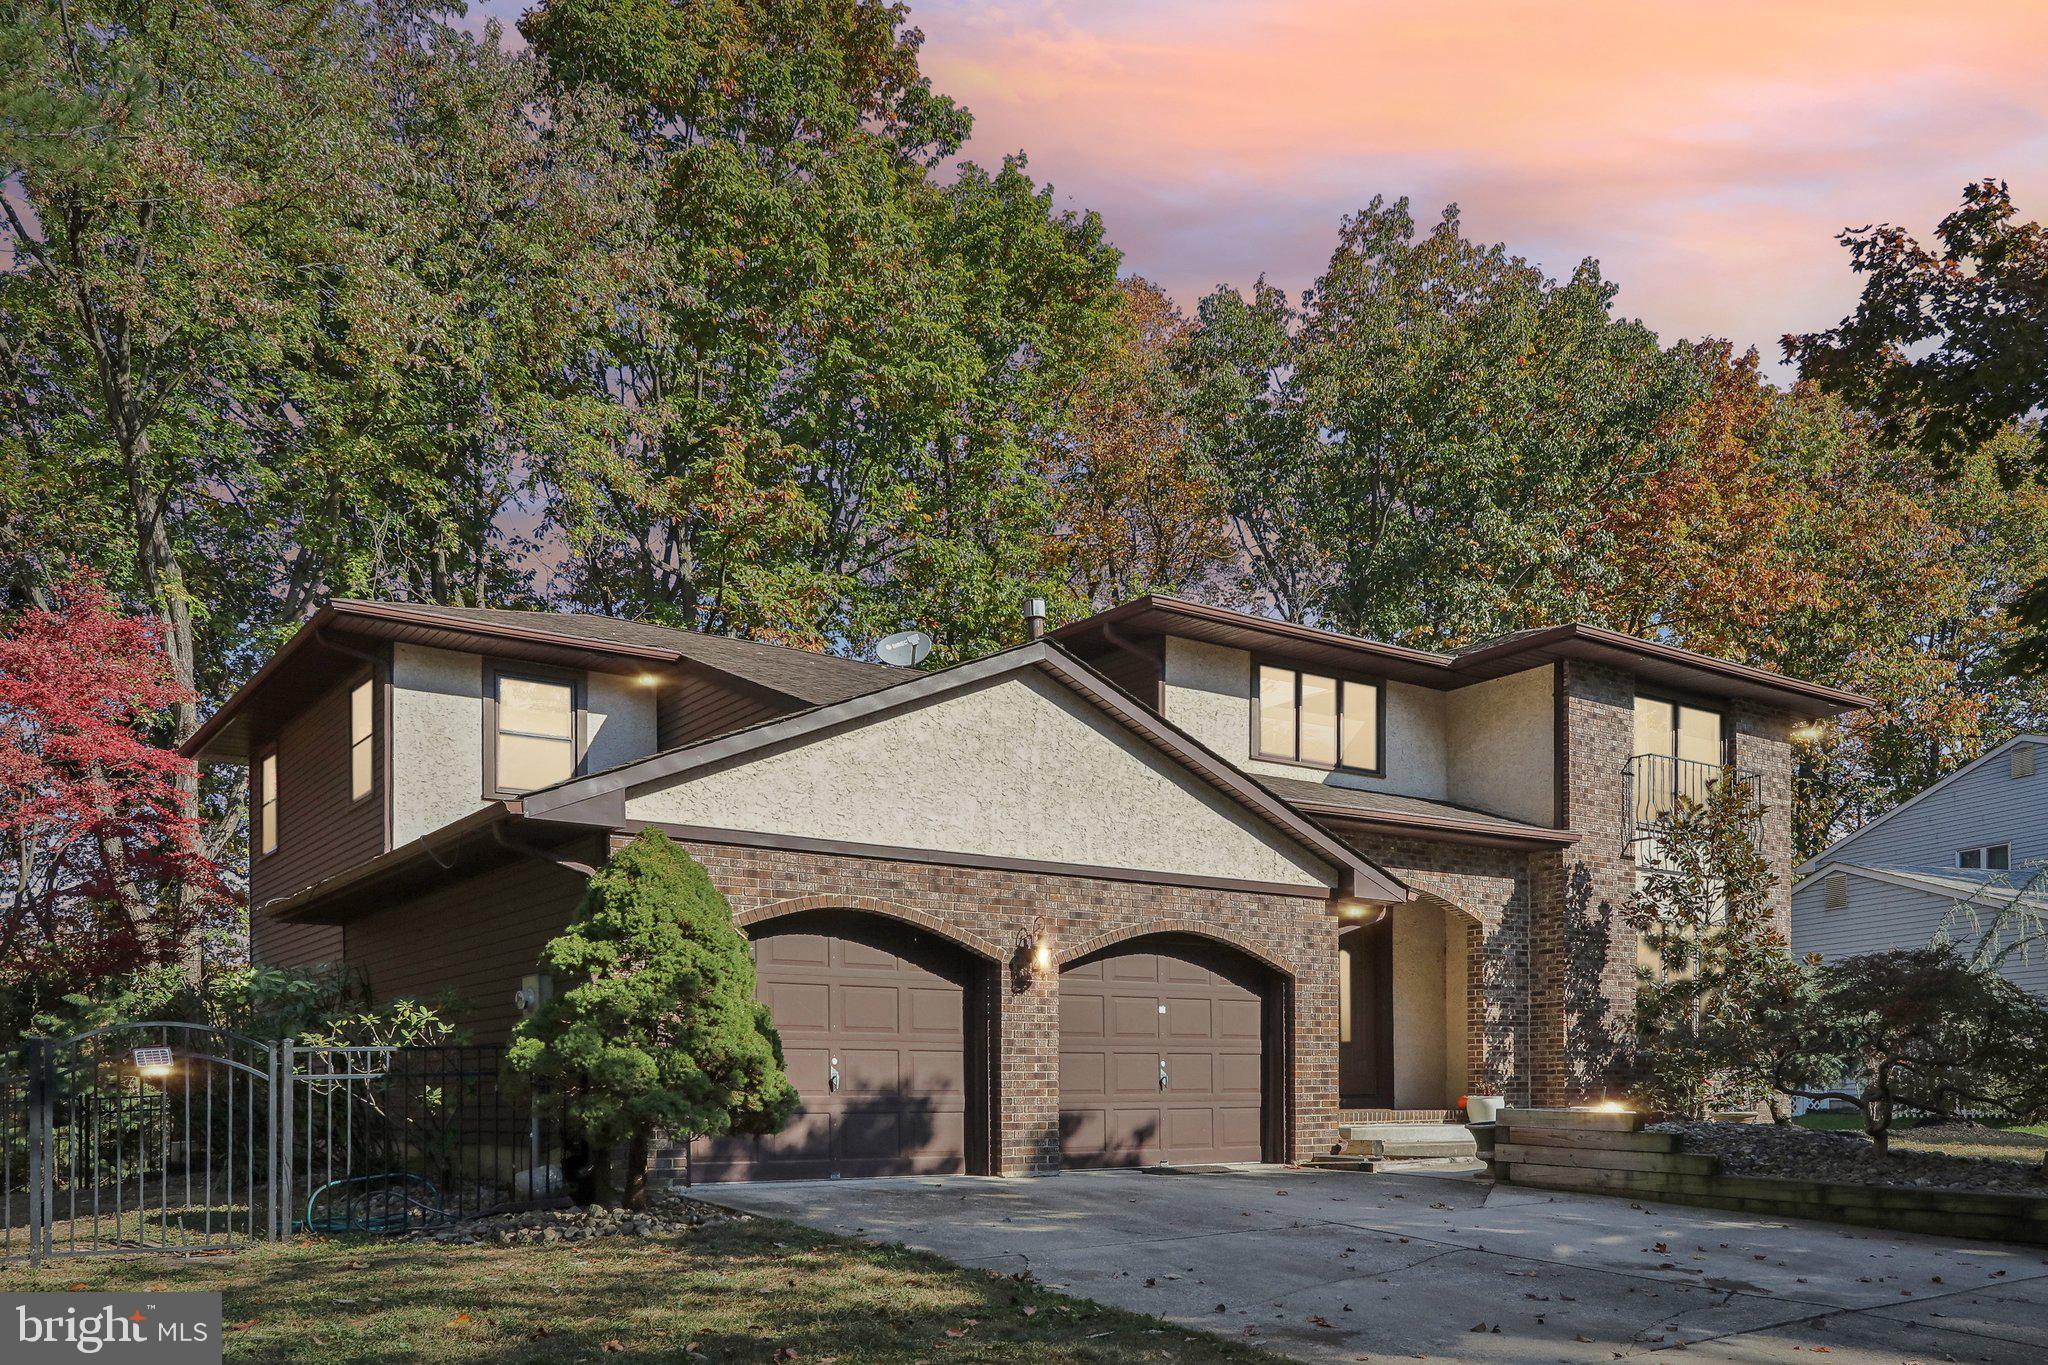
(662, 1215)
(1802, 1154)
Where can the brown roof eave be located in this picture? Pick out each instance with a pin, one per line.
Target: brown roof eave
(1439, 829)
(440, 848)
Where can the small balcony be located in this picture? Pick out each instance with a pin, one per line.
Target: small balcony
(1652, 788)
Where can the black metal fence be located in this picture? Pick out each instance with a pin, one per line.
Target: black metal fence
(175, 1137)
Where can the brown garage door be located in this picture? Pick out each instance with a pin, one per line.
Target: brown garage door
(1162, 1056)
(874, 1024)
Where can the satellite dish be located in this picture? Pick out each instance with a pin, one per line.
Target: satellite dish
(905, 649)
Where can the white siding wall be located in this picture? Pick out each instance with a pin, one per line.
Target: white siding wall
(1881, 916)
(1984, 806)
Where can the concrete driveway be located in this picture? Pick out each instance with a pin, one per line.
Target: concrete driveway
(1337, 1266)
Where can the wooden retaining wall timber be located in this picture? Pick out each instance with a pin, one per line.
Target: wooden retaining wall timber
(1594, 1152)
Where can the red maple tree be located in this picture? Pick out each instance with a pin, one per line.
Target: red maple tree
(101, 870)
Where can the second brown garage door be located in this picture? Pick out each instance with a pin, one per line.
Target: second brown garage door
(876, 1029)
(1162, 1056)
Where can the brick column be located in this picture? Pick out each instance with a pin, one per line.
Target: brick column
(1028, 1110)
(1584, 956)
(1763, 746)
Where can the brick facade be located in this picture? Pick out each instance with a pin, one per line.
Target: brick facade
(992, 914)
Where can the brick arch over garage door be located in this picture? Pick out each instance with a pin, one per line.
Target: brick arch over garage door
(1173, 1048)
(888, 1037)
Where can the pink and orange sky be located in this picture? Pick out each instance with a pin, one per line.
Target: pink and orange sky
(1706, 153)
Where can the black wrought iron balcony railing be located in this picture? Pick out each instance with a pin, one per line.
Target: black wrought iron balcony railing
(1655, 786)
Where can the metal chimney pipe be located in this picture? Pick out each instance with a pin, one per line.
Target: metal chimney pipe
(1034, 617)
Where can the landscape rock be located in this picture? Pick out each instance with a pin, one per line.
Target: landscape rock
(663, 1215)
(1795, 1153)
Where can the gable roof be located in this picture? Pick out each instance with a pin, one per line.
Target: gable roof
(329, 644)
(1510, 653)
(1947, 883)
(1833, 851)
(600, 797)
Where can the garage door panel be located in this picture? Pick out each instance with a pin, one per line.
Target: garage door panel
(870, 1071)
(799, 1006)
(871, 1009)
(1083, 1074)
(934, 1073)
(1134, 1016)
(1083, 1016)
(809, 1068)
(1191, 1006)
(794, 950)
(942, 1012)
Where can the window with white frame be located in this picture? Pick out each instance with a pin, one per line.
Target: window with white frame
(1988, 857)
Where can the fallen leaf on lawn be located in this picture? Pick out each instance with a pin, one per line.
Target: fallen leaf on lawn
(241, 1326)
(458, 1320)
(956, 1331)
(540, 1333)
(1030, 1310)
(76, 1287)
(611, 1346)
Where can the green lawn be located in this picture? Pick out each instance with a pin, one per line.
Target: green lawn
(2006, 1141)
(758, 1290)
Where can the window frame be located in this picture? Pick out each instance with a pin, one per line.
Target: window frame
(1983, 852)
(1260, 662)
(372, 739)
(266, 817)
(494, 672)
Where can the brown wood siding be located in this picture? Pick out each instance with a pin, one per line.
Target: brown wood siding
(469, 943)
(692, 706)
(1134, 674)
(321, 829)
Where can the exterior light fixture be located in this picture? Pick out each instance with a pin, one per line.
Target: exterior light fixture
(1357, 912)
(153, 1063)
(1611, 1107)
(1808, 733)
(647, 680)
(1041, 956)
(1032, 957)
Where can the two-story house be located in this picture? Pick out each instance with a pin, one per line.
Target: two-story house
(1170, 883)
(1977, 839)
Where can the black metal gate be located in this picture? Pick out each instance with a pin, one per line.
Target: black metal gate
(172, 1137)
(140, 1137)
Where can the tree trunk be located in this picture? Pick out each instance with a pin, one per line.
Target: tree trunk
(636, 1171)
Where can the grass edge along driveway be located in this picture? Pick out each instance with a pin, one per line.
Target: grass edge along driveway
(758, 1290)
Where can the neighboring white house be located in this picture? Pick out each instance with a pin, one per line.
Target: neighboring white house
(1978, 838)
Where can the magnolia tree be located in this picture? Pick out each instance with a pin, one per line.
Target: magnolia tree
(1715, 972)
(101, 870)
(658, 1028)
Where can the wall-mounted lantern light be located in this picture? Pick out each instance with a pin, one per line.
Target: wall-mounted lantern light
(1032, 957)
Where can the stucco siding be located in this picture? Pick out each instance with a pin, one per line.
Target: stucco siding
(1986, 805)
(1881, 916)
(437, 750)
(620, 724)
(1502, 746)
(1019, 768)
(1420, 996)
(1208, 693)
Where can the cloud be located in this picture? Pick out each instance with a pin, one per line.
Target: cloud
(1707, 155)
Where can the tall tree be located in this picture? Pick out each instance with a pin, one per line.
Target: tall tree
(1453, 411)
(820, 416)
(1948, 347)
(1140, 509)
(272, 280)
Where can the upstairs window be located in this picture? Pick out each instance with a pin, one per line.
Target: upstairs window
(1316, 719)
(362, 730)
(1987, 857)
(535, 744)
(266, 802)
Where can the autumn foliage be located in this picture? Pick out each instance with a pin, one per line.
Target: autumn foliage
(101, 870)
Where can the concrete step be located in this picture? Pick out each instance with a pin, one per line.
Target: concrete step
(1367, 1164)
(1406, 1140)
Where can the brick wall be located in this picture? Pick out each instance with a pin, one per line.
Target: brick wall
(1763, 745)
(987, 911)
